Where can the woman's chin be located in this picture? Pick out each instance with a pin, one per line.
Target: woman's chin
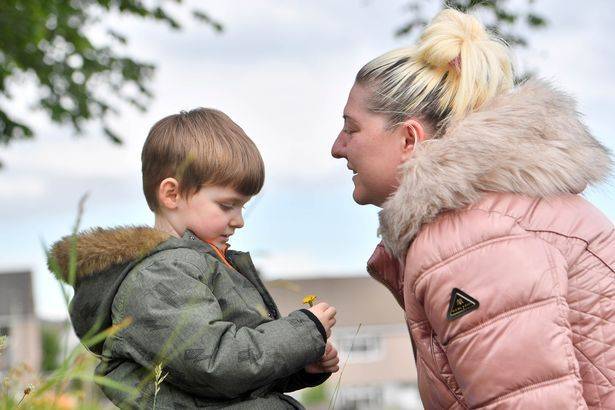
(359, 197)
(362, 198)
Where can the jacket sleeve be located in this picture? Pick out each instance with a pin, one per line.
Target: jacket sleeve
(177, 321)
(515, 350)
(300, 380)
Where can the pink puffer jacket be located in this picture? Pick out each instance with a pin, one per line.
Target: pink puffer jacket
(506, 274)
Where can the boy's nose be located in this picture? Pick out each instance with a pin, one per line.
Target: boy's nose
(338, 150)
(237, 221)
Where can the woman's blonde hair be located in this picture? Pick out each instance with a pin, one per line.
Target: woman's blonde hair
(455, 68)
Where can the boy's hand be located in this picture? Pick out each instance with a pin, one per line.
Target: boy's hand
(326, 314)
(328, 363)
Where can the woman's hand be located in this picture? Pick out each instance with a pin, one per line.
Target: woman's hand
(328, 363)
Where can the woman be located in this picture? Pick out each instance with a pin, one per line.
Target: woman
(506, 274)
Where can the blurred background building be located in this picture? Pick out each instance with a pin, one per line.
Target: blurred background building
(18, 322)
(372, 340)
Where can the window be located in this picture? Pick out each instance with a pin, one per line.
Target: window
(364, 347)
(4, 351)
(361, 398)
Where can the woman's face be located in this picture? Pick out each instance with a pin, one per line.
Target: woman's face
(373, 153)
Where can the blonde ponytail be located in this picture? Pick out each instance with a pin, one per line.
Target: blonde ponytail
(455, 68)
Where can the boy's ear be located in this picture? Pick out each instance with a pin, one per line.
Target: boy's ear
(168, 193)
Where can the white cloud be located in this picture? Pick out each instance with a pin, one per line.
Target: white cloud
(21, 188)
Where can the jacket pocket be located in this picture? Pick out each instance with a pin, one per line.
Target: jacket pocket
(443, 369)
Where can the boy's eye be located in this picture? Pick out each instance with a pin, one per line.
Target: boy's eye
(225, 207)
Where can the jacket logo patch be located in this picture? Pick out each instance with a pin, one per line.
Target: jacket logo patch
(461, 303)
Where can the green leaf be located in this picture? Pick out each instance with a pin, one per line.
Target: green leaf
(115, 138)
(536, 21)
(205, 18)
(80, 80)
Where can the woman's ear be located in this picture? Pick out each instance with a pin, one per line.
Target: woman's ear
(413, 133)
(168, 193)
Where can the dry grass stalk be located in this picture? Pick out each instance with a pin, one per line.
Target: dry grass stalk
(339, 380)
(158, 379)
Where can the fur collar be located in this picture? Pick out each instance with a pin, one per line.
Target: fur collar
(529, 141)
(98, 249)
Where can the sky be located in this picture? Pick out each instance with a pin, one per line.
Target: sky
(281, 70)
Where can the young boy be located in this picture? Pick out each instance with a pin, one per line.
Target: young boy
(184, 303)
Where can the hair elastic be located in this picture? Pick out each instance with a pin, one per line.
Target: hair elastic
(456, 63)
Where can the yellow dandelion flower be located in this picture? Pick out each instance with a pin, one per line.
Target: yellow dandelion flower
(309, 300)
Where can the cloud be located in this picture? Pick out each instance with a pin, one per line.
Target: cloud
(25, 188)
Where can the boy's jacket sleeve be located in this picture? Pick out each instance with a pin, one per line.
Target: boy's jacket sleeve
(300, 380)
(178, 321)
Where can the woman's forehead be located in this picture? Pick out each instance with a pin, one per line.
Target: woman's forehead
(355, 106)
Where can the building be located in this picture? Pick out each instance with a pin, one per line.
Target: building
(18, 321)
(380, 373)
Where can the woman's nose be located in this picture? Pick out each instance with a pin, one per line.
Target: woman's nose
(339, 146)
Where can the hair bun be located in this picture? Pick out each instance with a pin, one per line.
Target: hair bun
(443, 40)
(456, 68)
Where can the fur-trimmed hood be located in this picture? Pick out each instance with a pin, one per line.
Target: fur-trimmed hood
(99, 249)
(104, 257)
(529, 141)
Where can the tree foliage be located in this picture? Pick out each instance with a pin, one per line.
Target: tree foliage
(504, 20)
(78, 79)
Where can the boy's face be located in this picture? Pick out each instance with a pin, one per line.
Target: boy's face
(213, 214)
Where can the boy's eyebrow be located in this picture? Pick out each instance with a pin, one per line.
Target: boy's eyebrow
(234, 199)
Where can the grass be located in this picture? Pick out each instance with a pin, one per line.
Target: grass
(22, 387)
(339, 379)
(158, 379)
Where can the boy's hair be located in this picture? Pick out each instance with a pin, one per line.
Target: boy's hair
(201, 147)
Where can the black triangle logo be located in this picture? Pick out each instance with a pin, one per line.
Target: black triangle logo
(461, 303)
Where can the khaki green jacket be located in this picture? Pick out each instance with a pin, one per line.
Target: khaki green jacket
(209, 322)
